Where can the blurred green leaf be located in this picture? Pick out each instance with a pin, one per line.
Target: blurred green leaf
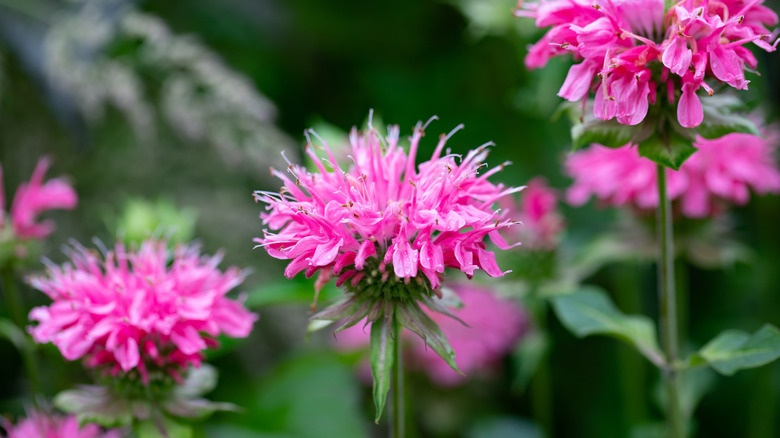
(289, 292)
(162, 427)
(382, 345)
(529, 353)
(720, 118)
(14, 334)
(590, 311)
(142, 218)
(735, 350)
(671, 152)
(505, 427)
(97, 404)
(587, 129)
(297, 399)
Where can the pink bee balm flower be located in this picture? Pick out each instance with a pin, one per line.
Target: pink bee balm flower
(387, 227)
(39, 425)
(538, 213)
(722, 170)
(619, 41)
(494, 327)
(35, 197)
(145, 309)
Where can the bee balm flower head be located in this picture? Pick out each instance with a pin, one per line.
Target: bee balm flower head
(40, 425)
(627, 47)
(386, 227)
(137, 311)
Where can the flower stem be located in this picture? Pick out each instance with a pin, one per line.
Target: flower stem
(668, 311)
(17, 313)
(398, 430)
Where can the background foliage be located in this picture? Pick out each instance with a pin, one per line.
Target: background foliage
(187, 104)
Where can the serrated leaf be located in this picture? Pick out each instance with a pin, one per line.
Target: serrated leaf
(671, 153)
(381, 357)
(411, 316)
(590, 311)
(735, 350)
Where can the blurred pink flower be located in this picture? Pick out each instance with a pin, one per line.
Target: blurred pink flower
(618, 41)
(722, 170)
(494, 327)
(145, 309)
(541, 222)
(385, 213)
(35, 197)
(40, 425)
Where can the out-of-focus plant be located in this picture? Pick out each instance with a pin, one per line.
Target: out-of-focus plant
(141, 219)
(644, 62)
(94, 55)
(140, 319)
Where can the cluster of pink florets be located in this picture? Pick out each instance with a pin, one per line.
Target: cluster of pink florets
(386, 210)
(139, 310)
(617, 42)
(722, 170)
(32, 199)
(40, 425)
(495, 325)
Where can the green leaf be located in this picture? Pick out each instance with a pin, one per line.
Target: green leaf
(589, 130)
(289, 292)
(162, 427)
(14, 334)
(97, 404)
(671, 153)
(527, 356)
(504, 427)
(296, 400)
(412, 317)
(734, 350)
(590, 311)
(382, 344)
(720, 117)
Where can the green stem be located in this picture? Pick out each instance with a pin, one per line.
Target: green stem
(631, 367)
(541, 384)
(398, 430)
(17, 313)
(668, 311)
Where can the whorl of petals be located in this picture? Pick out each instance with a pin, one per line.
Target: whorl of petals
(722, 170)
(403, 218)
(537, 211)
(138, 309)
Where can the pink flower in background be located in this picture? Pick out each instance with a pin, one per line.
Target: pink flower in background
(139, 310)
(538, 213)
(618, 41)
(722, 170)
(40, 425)
(494, 327)
(386, 214)
(35, 197)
